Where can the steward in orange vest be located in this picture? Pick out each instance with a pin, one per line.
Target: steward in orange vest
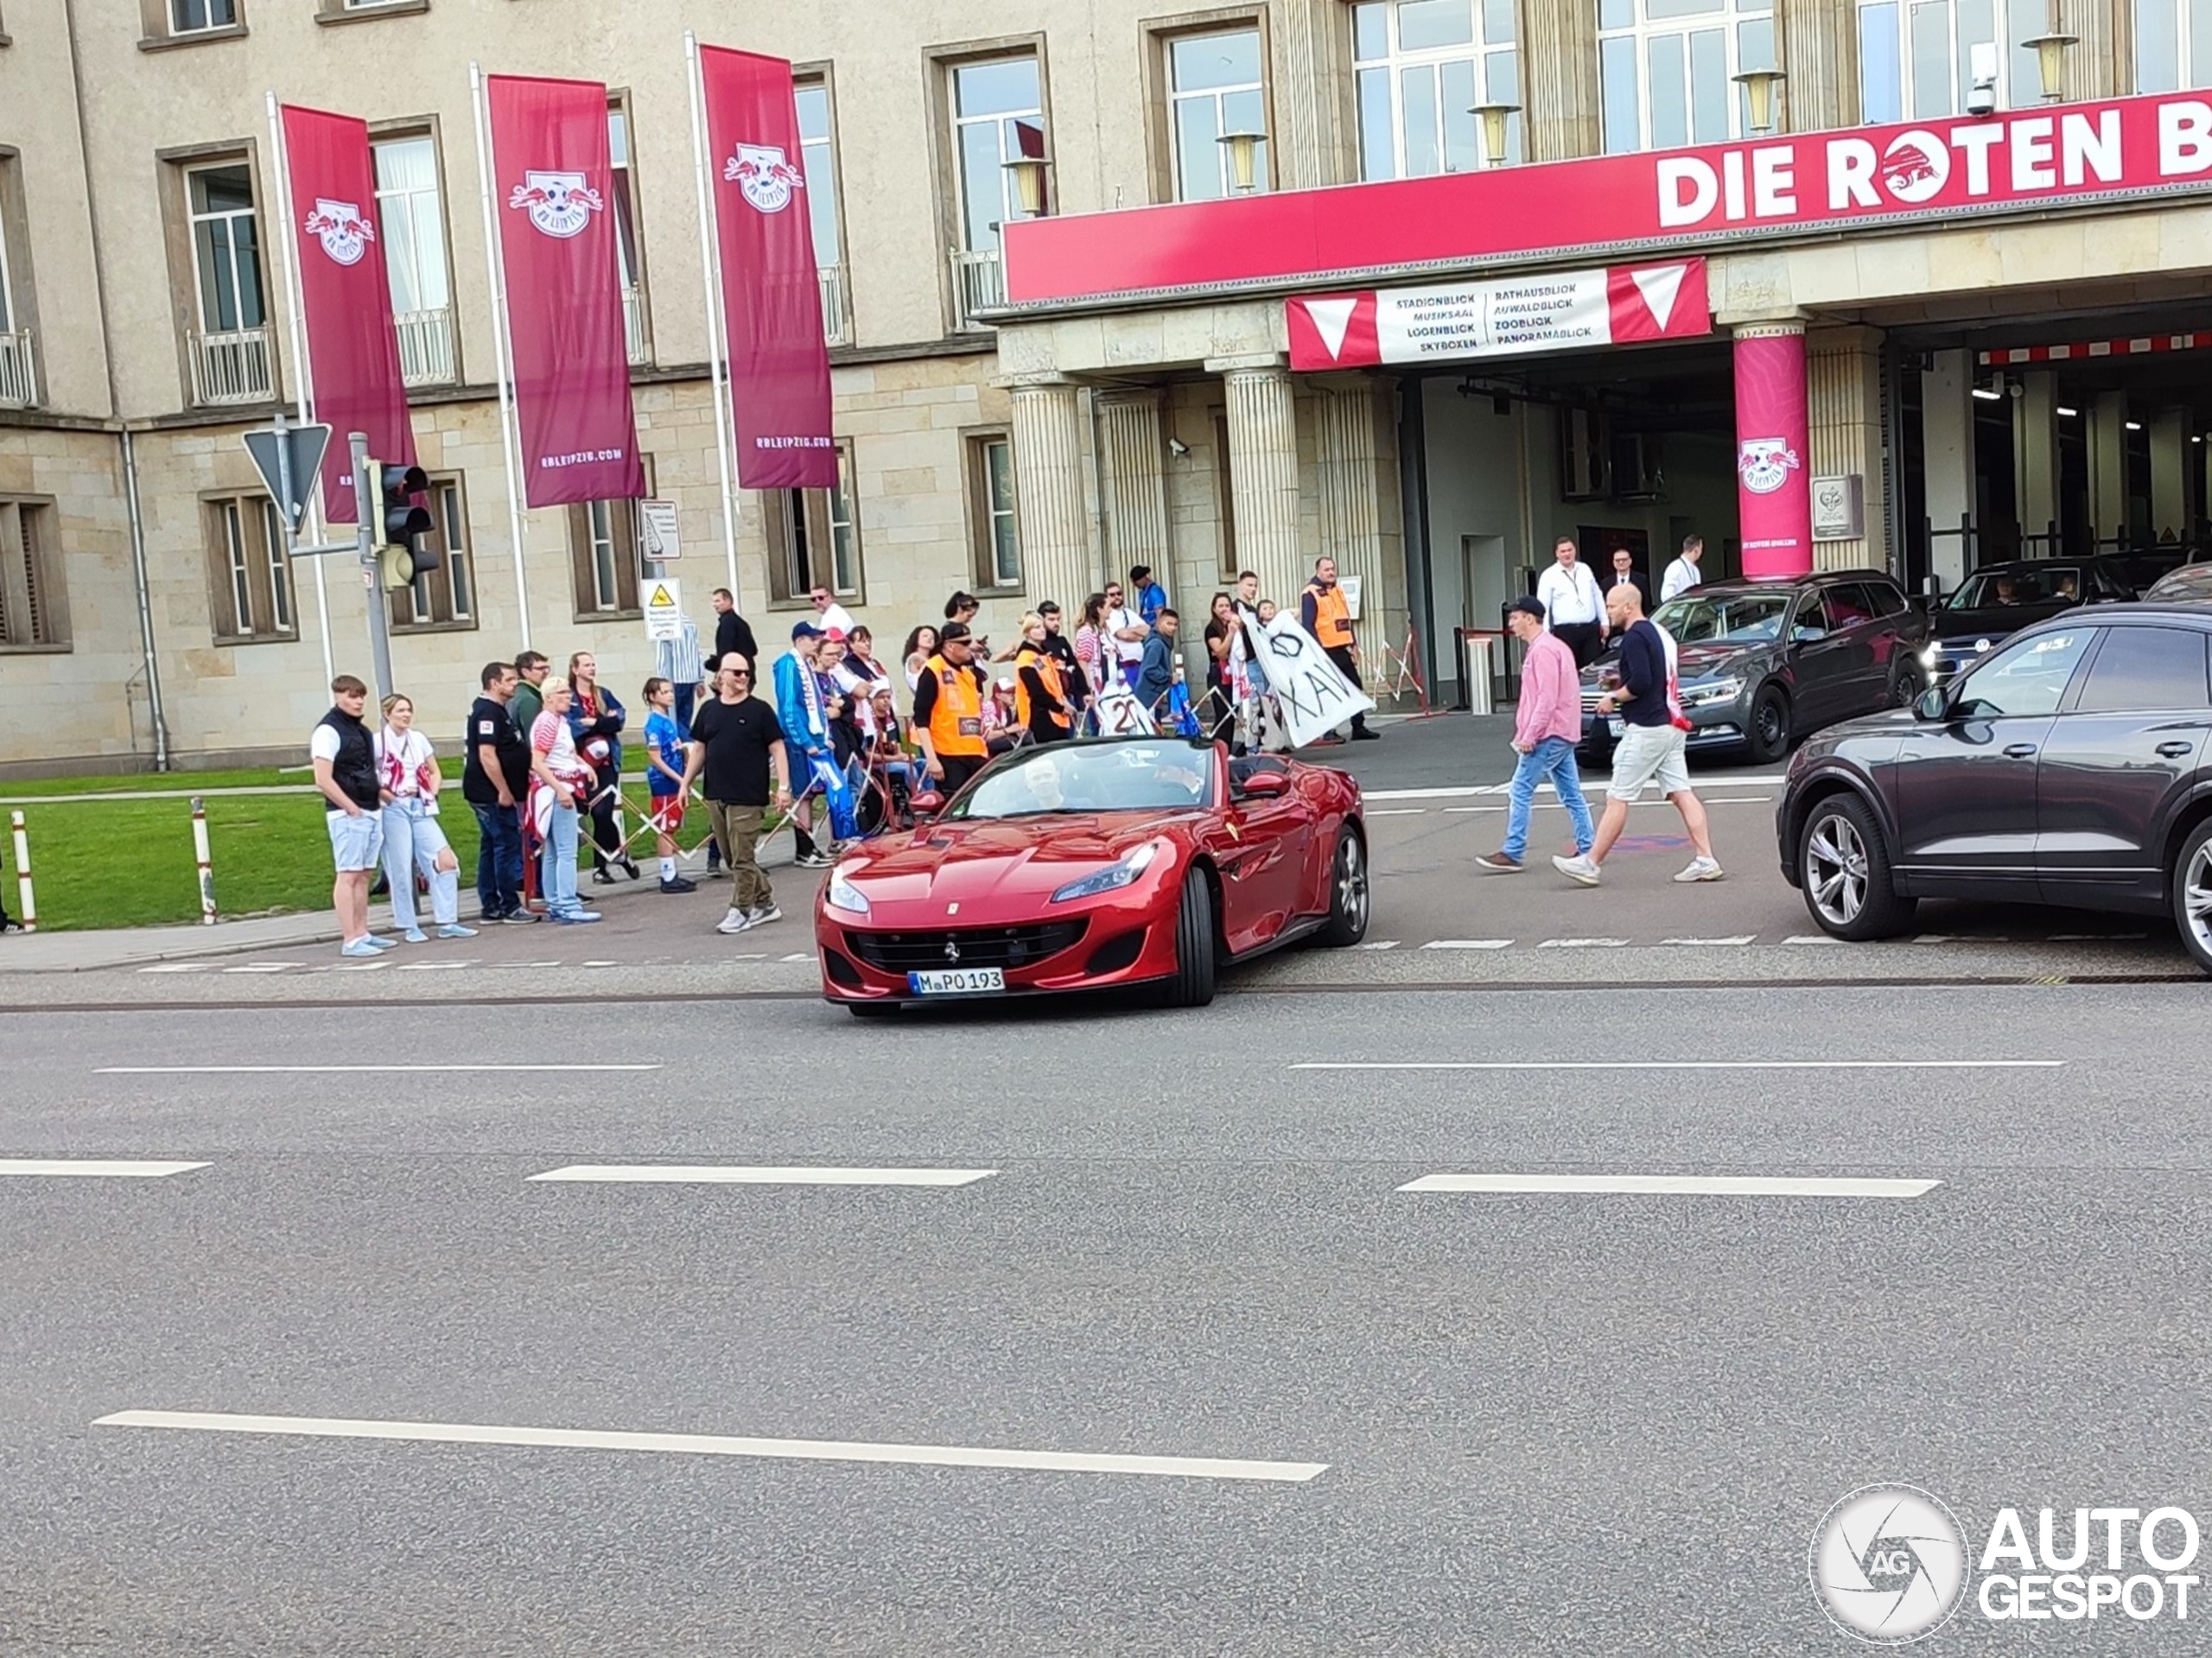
(1041, 693)
(948, 710)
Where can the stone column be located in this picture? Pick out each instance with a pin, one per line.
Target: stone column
(1559, 99)
(1348, 450)
(2108, 418)
(2170, 447)
(1843, 376)
(1818, 49)
(1134, 480)
(1264, 471)
(2101, 64)
(2034, 456)
(1947, 445)
(1049, 508)
(1311, 43)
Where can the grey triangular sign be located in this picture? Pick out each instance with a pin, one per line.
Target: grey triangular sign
(307, 444)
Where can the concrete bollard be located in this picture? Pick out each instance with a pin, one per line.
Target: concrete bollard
(207, 867)
(24, 901)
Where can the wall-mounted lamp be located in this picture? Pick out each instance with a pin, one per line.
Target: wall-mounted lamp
(2050, 60)
(1029, 183)
(1759, 86)
(1243, 150)
(1494, 118)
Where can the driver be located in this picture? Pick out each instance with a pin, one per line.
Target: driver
(1047, 790)
(1179, 776)
(2007, 593)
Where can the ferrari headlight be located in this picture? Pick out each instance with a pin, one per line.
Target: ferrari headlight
(1712, 691)
(1114, 877)
(843, 895)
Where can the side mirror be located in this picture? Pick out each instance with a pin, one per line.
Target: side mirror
(1265, 786)
(1933, 704)
(928, 803)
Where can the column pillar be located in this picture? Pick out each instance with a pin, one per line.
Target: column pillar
(1349, 476)
(2035, 461)
(1818, 46)
(1559, 83)
(1774, 499)
(1049, 509)
(1134, 480)
(2170, 447)
(1262, 414)
(1946, 447)
(1843, 371)
(2107, 419)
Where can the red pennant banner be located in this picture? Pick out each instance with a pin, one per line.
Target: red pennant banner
(553, 183)
(772, 297)
(345, 297)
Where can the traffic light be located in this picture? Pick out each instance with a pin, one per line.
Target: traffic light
(406, 554)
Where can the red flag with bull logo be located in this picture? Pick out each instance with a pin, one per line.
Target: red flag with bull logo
(345, 297)
(771, 296)
(553, 189)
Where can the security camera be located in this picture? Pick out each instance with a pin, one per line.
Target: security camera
(1981, 95)
(1176, 448)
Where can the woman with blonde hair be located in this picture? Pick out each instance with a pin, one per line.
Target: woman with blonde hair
(408, 780)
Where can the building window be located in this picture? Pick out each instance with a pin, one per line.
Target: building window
(18, 371)
(603, 539)
(249, 570)
(1422, 66)
(34, 608)
(444, 597)
(998, 542)
(1917, 57)
(998, 115)
(1664, 68)
(814, 537)
(632, 267)
(2173, 45)
(817, 136)
(1215, 85)
(197, 17)
(230, 358)
(411, 220)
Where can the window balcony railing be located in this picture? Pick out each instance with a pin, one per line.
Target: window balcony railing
(18, 373)
(425, 346)
(237, 367)
(836, 311)
(634, 322)
(978, 284)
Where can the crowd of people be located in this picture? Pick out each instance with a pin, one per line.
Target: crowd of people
(826, 743)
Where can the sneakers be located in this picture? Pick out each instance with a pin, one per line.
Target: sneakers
(1329, 741)
(816, 858)
(455, 929)
(1702, 869)
(573, 917)
(630, 868)
(1499, 864)
(677, 884)
(1578, 869)
(1362, 734)
(761, 914)
(519, 918)
(416, 936)
(735, 922)
(360, 948)
(376, 942)
(602, 877)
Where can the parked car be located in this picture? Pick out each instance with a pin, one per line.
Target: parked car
(2140, 572)
(2068, 766)
(1761, 663)
(1996, 600)
(2189, 581)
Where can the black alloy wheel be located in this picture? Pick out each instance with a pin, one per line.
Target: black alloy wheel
(1769, 734)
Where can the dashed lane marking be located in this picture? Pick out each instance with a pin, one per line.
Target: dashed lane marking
(343, 1070)
(1378, 944)
(1678, 1064)
(1468, 944)
(93, 1167)
(1695, 1185)
(1731, 941)
(758, 1175)
(1583, 943)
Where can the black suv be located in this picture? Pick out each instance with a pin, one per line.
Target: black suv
(1998, 600)
(2068, 766)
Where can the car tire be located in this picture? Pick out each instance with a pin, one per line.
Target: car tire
(1348, 893)
(1768, 736)
(1192, 983)
(873, 1009)
(1843, 866)
(1906, 688)
(2190, 883)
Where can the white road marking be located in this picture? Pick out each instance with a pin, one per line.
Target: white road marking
(333, 1071)
(1811, 939)
(1733, 800)
(799, 955)
(1583, 943)
(2097, 938)
(709, 1444)
(762, 1175)
(93, 1166)
(1468, 944)
(1453, 811)
(1678, 1064)
(1700, 1185)
(1427, 794)
(433, 967)
(1399, 811)
(602, 963)
(263, 967)
(352, 967)
(1378, 944)
(1738, 938)
(175, 966)
(1955, 938)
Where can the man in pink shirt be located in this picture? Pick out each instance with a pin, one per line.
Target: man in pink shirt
(1544, 735)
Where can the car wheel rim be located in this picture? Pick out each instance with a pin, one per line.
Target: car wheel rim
(1905, 693)
(2196, 898)
(1772, 724)
(1836, 871)
(1351, 884)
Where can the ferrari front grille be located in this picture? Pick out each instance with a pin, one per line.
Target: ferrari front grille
(1000, 946)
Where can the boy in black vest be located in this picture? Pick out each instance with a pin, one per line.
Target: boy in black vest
(345, 758)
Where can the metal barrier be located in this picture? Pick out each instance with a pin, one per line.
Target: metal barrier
(25, 899)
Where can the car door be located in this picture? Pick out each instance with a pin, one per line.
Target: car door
(1820, 661)
(1259, 845)
(1965, 785)
(2120, 757)
(1858, 624)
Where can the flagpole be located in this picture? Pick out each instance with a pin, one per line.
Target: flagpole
(302, 374)
(717, 326)
(510, 448)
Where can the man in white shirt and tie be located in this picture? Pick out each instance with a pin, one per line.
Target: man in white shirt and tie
(1574, 609)
(1683, 575)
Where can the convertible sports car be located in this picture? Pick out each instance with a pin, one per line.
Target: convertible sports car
(1081, 866)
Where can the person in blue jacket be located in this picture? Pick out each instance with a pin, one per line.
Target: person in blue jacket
(804, 717)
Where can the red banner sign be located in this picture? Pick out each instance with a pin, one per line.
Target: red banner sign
(1513, 316)
(345, 297)
(553, 183)
(1774, 485)
(771, 298)
(1932, 171)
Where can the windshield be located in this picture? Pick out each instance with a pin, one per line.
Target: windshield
(1142, 776)
(1748, 618)
(2046, 584)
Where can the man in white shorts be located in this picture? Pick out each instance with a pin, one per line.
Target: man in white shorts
(1653, 747)
(345, 771)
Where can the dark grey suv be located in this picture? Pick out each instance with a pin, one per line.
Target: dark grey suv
(2068, 766)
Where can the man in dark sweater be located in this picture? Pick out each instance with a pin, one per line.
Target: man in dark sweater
(344, 754)
(1653, 747)
(731, 630)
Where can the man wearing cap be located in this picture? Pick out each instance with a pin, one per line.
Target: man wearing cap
(1548, 726)
(805, 721)
(949, 711)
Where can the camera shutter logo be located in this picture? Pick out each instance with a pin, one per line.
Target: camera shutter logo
(1889, 1564)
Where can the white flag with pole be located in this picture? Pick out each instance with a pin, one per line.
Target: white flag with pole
(501, 348)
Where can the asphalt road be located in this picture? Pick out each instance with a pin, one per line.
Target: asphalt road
(1543, 1422)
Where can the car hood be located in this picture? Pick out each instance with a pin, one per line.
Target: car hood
(1992, 622)
(1692, 661)
(1009, 859)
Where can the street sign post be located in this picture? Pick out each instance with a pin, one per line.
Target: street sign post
(664, 610)
(661, 542)
(288, 459)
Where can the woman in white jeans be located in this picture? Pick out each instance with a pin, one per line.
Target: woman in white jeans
(408, 780)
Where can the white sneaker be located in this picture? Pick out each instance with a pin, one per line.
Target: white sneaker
(1578, 869)
(761, 914)
(735, 921)
(1702, 869)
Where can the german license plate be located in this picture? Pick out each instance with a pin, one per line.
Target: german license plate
(957, 982)
(1616, 725)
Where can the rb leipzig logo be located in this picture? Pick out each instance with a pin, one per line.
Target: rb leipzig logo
(340, 227)
(1916, 165)
(1765, 463)
(559, 204)
(764, 176)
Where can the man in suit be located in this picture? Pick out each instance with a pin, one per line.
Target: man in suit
(1625, 575)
